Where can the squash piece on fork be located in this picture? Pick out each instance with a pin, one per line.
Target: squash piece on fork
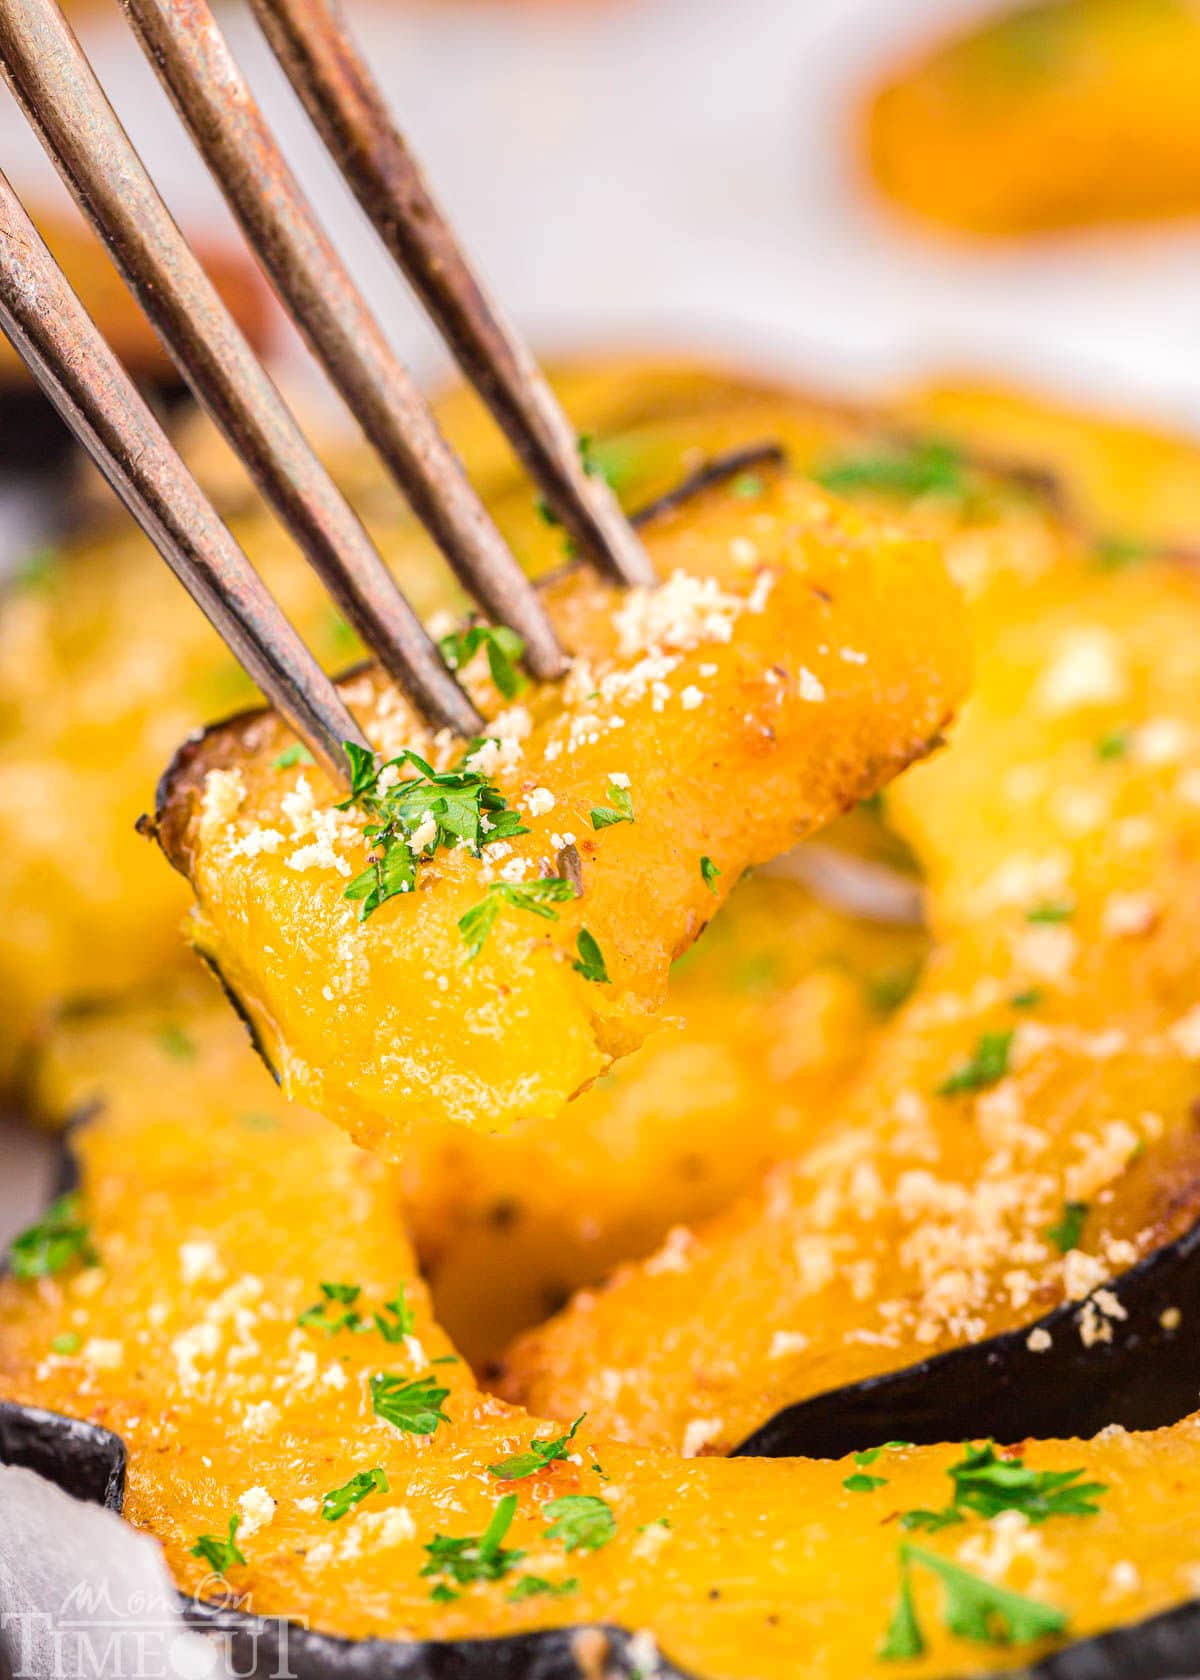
(478, 950)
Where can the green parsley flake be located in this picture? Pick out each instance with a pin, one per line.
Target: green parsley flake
(1066, 1234)
(619, 811)
(541, 1453)
(291, 756)
(536, 1586)
(886, 992)
(747, 487)
(1114, 745)
(924, 469)
(1114, 554)
(708, 874)
(987, 1066)
(67, 1343)
(473, 1557)
(338, 1501)
(581, 1521)
(988, 1484)
(1028, 999)
(536, 897)
(862, 1483)
(980, 1610)
(173, 1041)
(903, 1640)
(462, 805)
(56, 1241)
(504, 649)
(393, 1322)
(590, 962)
(1050, 913)
(219, 1552)
(38, 569)
(415, 1407)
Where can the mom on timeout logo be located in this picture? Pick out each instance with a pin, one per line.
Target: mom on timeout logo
(146, 1637)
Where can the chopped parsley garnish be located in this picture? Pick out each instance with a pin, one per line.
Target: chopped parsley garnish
(1050, 913)
(887, 991)
(581, 1521)
(536, 1586)
(541, 1453)
(68, 1342)
(1115, 744)
(987, 1066)
(291, 756)
(860, 1482)
(415, 1406)
(1113, 554)
(322, 1315)
(903, 1639)
(220, 1552)
(474, 1557)
(173, 1041)
(619, 811)
(338, 1501)
(255, 1122)
(448, 808)
(1066, 1234)
(55, 1242)
(988, 1484)
(747, 487)
(921, 470)
(708, 874)
(1028, 999)
(590, 962)
(972, 1609)
(393, 1322)
(504, 650)
(534, 896)
(37, 569)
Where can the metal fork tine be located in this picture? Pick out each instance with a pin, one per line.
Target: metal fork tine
(185, 45)
(63, 101)
(64, 350)
(310, 39)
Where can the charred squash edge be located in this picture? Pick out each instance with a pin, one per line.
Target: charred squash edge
(89, 1463)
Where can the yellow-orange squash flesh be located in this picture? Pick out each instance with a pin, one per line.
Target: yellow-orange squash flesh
(795, 658)
(213, 1240)
(1134, 485)
(1060, 833)
(1055, 114)
(766, 1017)
(105, 664)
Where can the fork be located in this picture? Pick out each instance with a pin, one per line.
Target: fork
(50, 75)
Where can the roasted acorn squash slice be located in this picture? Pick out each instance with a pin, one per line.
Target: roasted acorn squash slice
(796, 657)
(1051, 114)
(210, 1299)
(1025, 1132)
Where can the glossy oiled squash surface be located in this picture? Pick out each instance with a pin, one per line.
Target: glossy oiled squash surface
(1060, 832)
(213, 1239)
(823, 652)
(1058, 113)
(765, 1019)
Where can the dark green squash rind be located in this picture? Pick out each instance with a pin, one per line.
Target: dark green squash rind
(1146, 1377)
